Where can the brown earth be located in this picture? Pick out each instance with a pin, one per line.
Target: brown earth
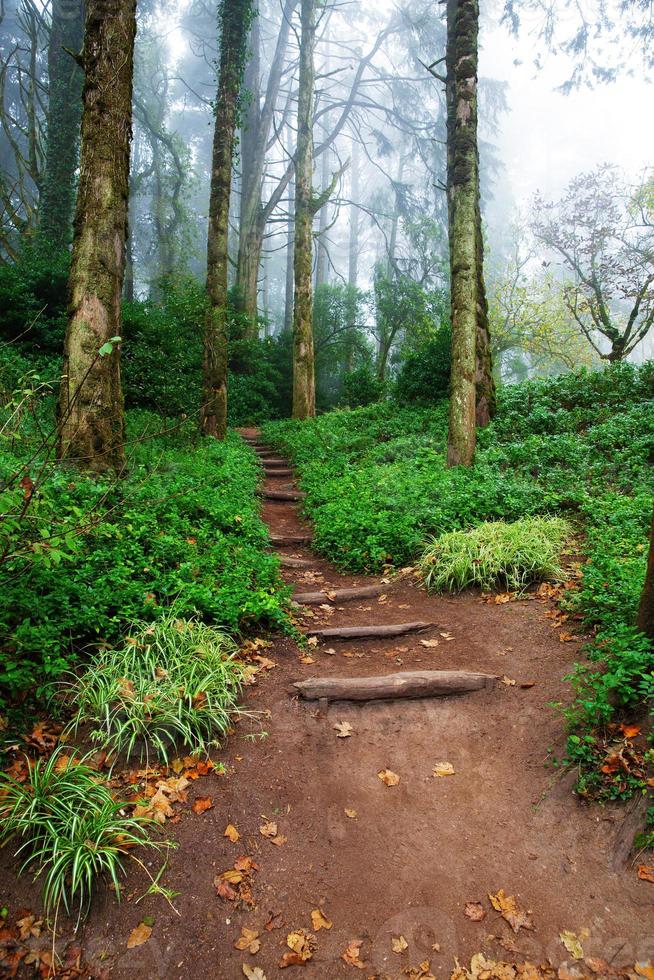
(414, 853)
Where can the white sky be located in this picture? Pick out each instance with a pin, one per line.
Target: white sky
(546, 137)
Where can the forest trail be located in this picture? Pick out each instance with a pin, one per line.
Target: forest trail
(384, 862)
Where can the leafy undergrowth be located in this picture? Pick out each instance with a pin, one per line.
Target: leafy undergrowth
(172, 683)
(90, 556)
(496, 553)
(580, 446)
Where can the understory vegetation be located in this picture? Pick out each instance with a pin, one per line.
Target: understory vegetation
(579, 446)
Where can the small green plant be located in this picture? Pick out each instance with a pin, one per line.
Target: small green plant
(495, 553)
(70, 830)
(174, 681)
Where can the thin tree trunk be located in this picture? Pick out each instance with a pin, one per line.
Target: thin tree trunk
(322, 258)
(645, 620)
(462, 194)
(485, 382)
(290, 253)
(304, 385)
(353, 247)
(235, 20)
(91, 402)
(63, 122)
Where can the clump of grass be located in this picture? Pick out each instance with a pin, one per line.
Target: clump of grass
(69, 828)
(496, 553)
(174, 682)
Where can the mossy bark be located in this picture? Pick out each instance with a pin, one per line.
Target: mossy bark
(65, 81)
(235, 16)
(304, 385)
(91, 417)
(646, 607)
(472, 400)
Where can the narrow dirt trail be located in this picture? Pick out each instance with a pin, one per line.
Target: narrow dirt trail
(389, 861)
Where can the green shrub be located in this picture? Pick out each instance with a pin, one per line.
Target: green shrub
(362, 387)
(424, 377)
(172, 683)
(69, 830)
(495, 554)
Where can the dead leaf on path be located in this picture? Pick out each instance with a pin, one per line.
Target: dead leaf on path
(302, 945)
(645, 970)
(571, 942)
(420, 972)
(508, 943)
(474, 911)
(630, 731)
(352, 814)
(312, 641)
(509, 681)
(429, 643)
(443, 769)
(265, 663)
(232, 833)
(447, 636)
(253, 972)
(565, 637)
(29, 926)
(399, 944)
(139, 935)
(388, 777)
(158, 808)
(352, 954)
(507, 907)
(646, 872)
(279, 840)
(343, 729)
(268, 830)
(319, 920)
(248, 940)
(307, 660)
(275, 921)
(224, 889)
(503, 597)
(202, 804)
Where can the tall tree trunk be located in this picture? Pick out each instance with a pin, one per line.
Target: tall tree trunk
(254, 143)
(353, 246)
(235, 16)
(485, 381)
(91, 402)
(304, 384)
(462, 198)
(645, 620)
(290, 253)
(322, 257)
(63, 122)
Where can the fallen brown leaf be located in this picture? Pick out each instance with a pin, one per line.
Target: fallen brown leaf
(139, 935)
(443, 769)
(319, 920)
(343, 729)
(399, 944)
(388, 777)
(646, 872)
(352, 954)
(302, 945)
(429, 643)
(232, 833)
(253, 972)
(248, 940)
(507, 907)
(202, 804)
(352, 814)
(474, 911)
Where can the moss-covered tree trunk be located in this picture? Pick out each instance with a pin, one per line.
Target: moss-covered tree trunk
(304, 385)
(91, 403)
(235, 16)
(646, 607)
(485, 383)
(63, 121)
(466, 248)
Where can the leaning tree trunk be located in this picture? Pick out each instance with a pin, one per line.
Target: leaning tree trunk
(91, 403)
(462, 196)
(304, 384)
(63, 122)
(235, 16)
(646, 608)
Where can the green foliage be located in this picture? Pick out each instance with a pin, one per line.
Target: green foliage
(172, 682)
(33, 298)
(424, 376)
(181, 529)
(340, 342)
(362, 387)
(495, 553)
(69, 830)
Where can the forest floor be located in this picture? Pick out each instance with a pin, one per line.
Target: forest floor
(391, 867)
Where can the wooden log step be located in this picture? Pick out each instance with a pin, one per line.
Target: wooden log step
(339, 595)
(277, 472)
(378, 632)
(274, 462)
(288, 562)
(405, 684)
(283, 539)
(282, 495)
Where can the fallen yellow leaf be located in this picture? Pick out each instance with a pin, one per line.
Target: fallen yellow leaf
(248, 940)
(319, 920)
(507, 907)
(343, 729)
(232, 833)
(388, 777)
(399, 944)
(139, 935)
(443, 769)
(572, 944)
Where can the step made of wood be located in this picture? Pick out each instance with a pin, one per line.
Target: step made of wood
(339, 595)
(372, 631)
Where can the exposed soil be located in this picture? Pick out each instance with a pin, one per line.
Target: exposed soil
(415, 853)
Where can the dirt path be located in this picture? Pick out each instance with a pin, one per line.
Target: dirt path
(389, 861)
